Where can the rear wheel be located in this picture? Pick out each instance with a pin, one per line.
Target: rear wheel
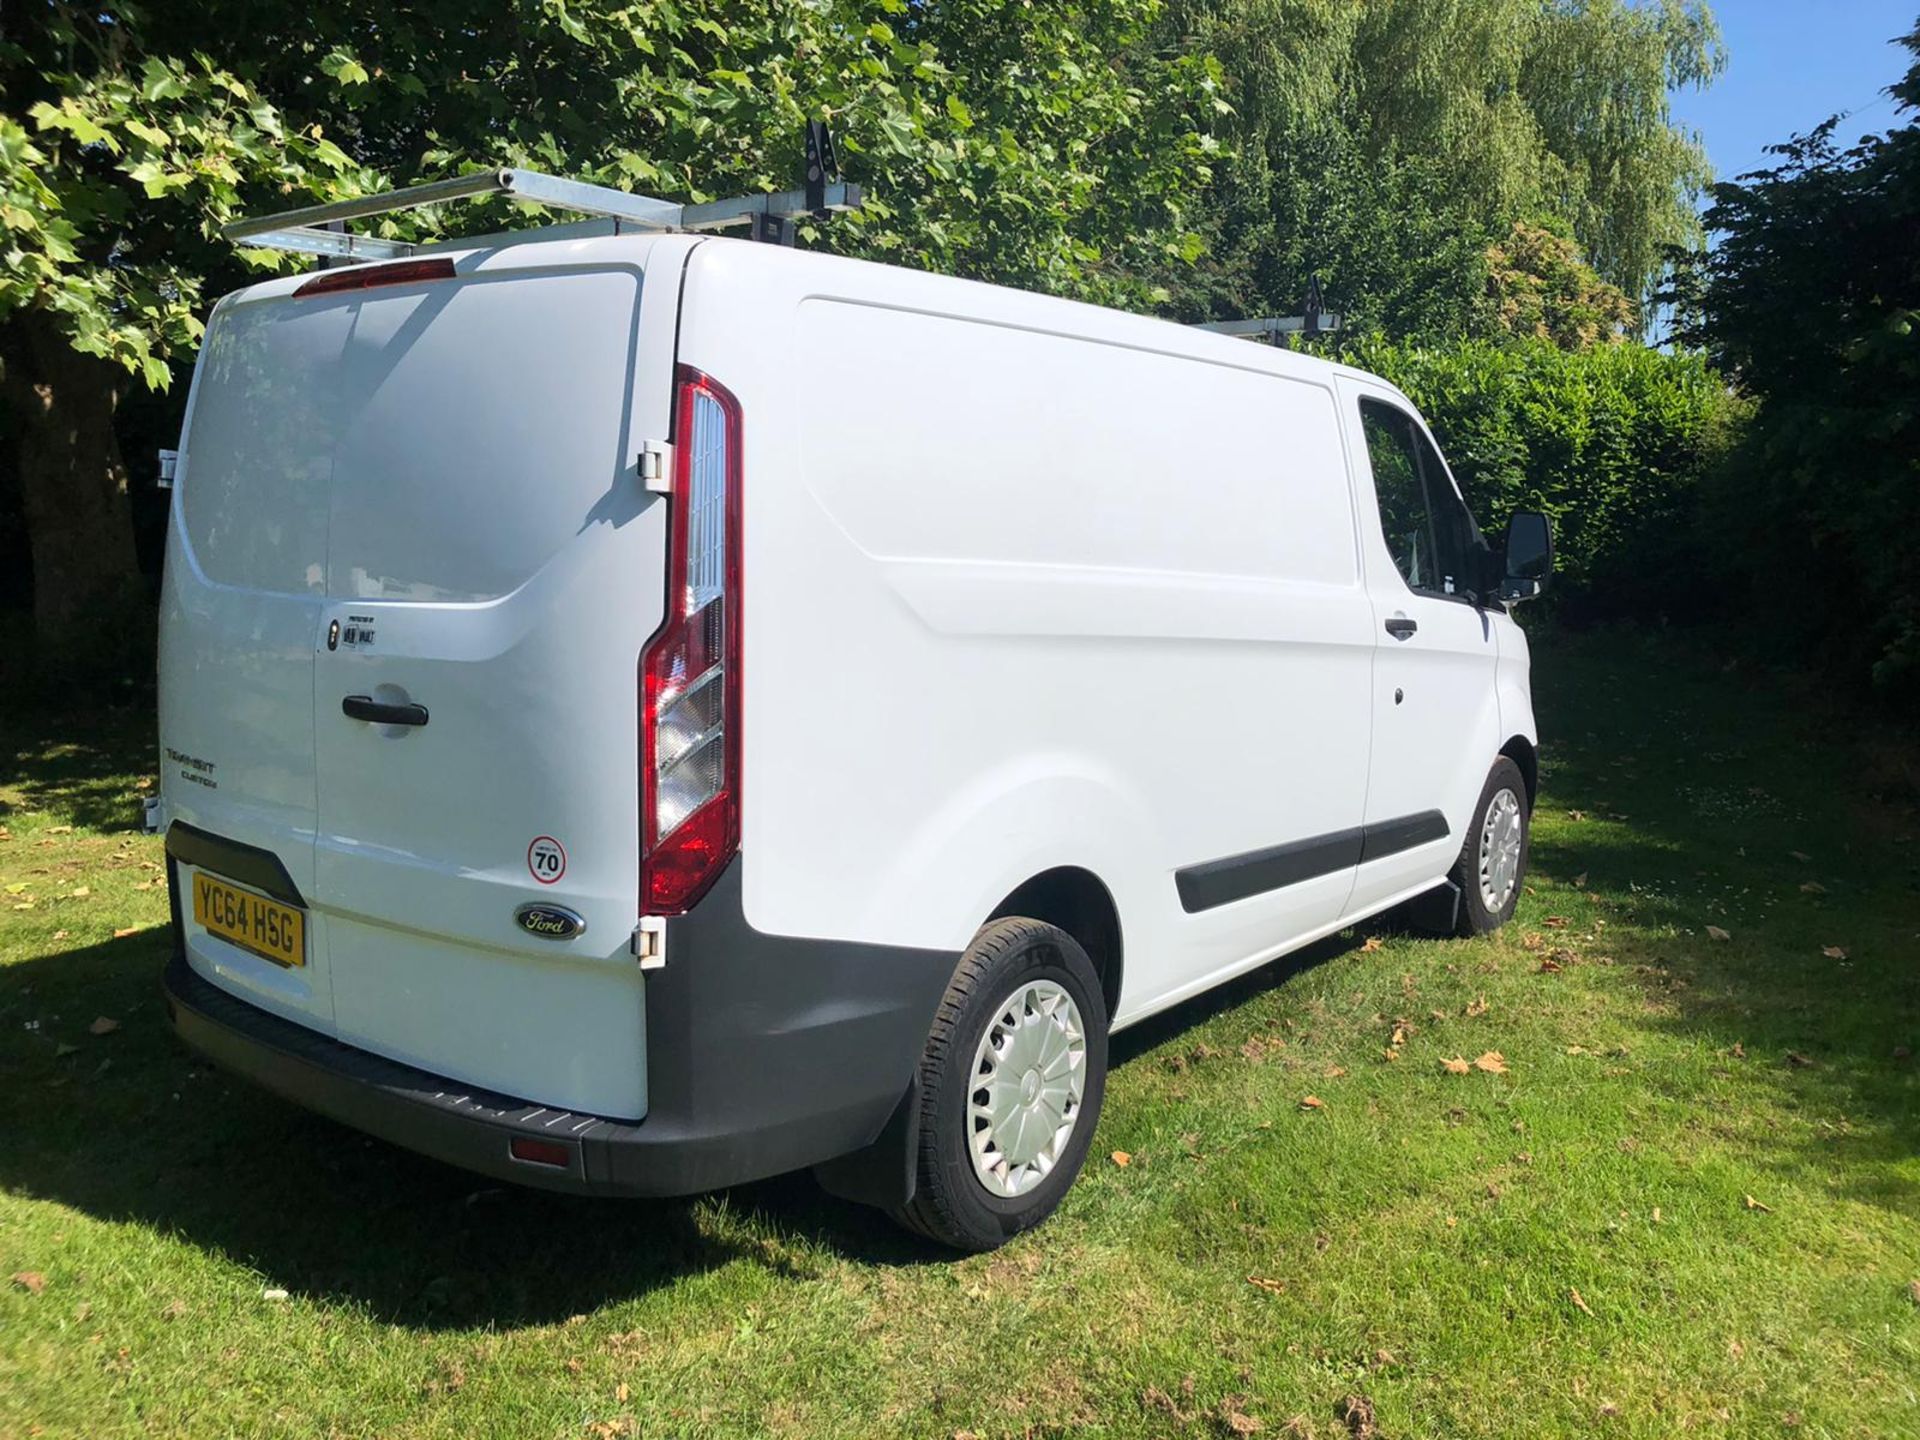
(1010, 1086)
(1493, 860)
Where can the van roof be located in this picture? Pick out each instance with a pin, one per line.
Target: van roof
(593, 244)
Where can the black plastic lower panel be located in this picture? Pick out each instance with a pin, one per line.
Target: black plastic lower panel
(764, 1054)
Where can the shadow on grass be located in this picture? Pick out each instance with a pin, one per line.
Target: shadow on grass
(80, 765)
(1708, 799)
(155, 1137)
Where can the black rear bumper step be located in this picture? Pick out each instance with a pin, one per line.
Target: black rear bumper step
(765, 1054)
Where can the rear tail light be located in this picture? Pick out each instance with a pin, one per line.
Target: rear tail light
(690, 672)
(368, 277)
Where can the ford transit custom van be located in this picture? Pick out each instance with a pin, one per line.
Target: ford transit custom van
(642, 713)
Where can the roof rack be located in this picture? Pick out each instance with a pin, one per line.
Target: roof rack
(321, 229)
(1271, 327)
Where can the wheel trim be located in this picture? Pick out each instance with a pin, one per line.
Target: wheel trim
(1502, 834)
(1028, 1083)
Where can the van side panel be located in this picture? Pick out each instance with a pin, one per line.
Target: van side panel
(1027, 587)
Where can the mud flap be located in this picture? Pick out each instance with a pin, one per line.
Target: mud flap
(884, 1174)
(1437, 912)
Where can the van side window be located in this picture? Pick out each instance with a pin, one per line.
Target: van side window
(1430, 533)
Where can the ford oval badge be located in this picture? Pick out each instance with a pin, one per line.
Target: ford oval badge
(549, 922)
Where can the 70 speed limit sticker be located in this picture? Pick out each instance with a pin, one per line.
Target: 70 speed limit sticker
(546, 859)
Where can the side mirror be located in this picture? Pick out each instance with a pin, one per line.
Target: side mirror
(1529, 555)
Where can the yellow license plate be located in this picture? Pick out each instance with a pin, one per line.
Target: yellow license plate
(269, 929)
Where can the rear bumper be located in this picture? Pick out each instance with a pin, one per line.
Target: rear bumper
(764, 1054)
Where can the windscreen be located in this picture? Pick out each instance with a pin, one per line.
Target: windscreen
(436, 441)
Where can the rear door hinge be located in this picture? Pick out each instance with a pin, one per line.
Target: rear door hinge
(656, 466)
(649, 943)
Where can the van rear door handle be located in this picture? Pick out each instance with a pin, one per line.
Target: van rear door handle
(1400, 627)
(365, 707)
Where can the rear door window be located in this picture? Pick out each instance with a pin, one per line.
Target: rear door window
(437, 442)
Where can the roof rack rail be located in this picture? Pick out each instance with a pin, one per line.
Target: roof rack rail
(320, 229)
(1271, 327)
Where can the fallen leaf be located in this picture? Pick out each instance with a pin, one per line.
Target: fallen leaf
(1576, 814)
(1716, 933)
(1797, 1060)
(1493, 1062)
(60, 830)
(1356, 1412)
(1555, 922)
(61, 934)
(1312, 1102)
(1263, 1282)
(1656, 1214)
(1399, 1036)
(1121, 1157)
(1834, 952)
(273, 1293)
(80, 892)
(1532, 940)
(123, 934)
(1753, 1204)
(1333, 1072)
(31, 1281)
(1370, 944)
(1739, 1051)
(1580, 881)
(1580, 1301)
(620, 1392)
(1456, 1066)
(1913, 1291)
(103, 1025)
(1237, 1421)
(1551, 966)
(1477, 1007)
(1813, 887)
(1391, 1053)
(174, 1310)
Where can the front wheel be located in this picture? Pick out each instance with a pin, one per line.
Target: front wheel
(1010, 1086)
(1493, 861)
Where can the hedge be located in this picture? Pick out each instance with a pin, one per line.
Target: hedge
(1612, 442)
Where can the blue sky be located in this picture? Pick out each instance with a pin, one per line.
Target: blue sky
(1791, 64)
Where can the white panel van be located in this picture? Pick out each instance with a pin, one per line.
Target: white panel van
(644, 713)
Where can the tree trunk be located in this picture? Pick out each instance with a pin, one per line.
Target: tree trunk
(87, 591)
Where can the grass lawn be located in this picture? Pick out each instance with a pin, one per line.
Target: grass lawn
(1679, 1193)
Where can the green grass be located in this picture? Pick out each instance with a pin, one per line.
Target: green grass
(1424, 1232)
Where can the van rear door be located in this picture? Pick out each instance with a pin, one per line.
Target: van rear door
(492, 569)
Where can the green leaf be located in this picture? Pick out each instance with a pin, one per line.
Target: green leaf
(344, 68)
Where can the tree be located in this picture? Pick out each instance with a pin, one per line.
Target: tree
(1049, 146)
(1811, 301)
(1388, 145)
(115, 172)
(1541, 289)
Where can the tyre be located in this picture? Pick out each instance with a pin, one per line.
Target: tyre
(1010, 1086)
(1493, 860)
